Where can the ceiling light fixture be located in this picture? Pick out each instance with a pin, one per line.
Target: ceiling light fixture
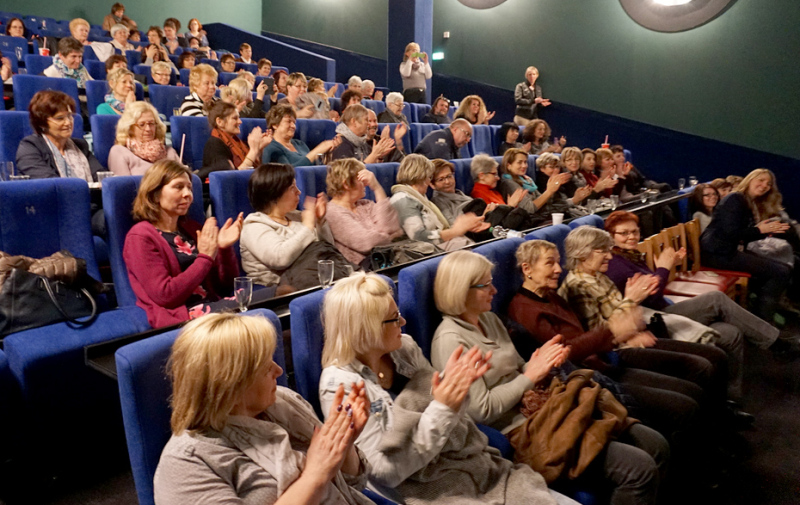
(670, 3)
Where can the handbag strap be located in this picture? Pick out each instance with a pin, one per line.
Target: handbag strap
(85, 322)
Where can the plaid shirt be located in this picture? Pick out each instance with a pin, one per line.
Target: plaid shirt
(593, 297)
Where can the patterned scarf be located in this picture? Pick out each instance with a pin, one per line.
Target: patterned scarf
(632, 255)
(114, 103)
(79, 74)
(152, 150)
(237, 146)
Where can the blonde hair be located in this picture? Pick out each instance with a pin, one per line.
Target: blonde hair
(129, 118)
(601, 154)
(353, 313)
(78, 22)
(296, 76)
(767, 206)
(146, 205)
(351, 112)
(160, 65)
(116, 75)
(463, 109)
(214, 360)
(571, 152)
(414, 169)
(457, 272)
(342, 171)
(545, 159)
(238, 89)
(581, 241)
(315, 83)
(410, 46)
(531, 250)
(197, 73)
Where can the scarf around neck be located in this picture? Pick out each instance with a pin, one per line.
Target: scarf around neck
(237, 146)
(152, 150)
(413, 193)
(632, 255)
(114, 103)
(524, 181)
(79, 74)
(360, 143)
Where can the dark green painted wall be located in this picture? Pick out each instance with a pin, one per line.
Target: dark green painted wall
(734, 79)
(355, 25)
(246, 14)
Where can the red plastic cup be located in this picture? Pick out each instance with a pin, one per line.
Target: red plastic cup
(43, 51)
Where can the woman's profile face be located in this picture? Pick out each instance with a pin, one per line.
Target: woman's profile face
(480, 296)
(359, 125)
(596, 262)
(289, 199)
(392, 323)
(286, 128)
(176, 196)
(545, 271)
(123, 86)
(588, 162)
(260, 395)
(230, 124)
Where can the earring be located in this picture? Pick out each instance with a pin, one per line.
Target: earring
(529, 277)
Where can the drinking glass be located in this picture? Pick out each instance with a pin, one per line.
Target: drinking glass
(243, 289)
(591, 206)
(18, 52)
(643, 196)
(101, 176)
(681, 183)
(6, 170)
(325, 272)
(693, 181)
(614, 202)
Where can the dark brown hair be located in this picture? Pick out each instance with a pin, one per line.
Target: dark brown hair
(68, 45)
(146, 205)
(267, 184)
(115, 58)
(46, 104)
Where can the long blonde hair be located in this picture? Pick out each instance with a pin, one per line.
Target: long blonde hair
(767, 206)
(463, 108)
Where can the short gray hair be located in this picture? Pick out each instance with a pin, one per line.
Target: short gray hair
(414, 169)
(354, 80)
(366, 83)
(117, 27)
(581, 241)
(481, 164)
(530, 251)
(393, 97)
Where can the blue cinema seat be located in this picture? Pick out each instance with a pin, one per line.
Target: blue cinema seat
(590, 220)
(36, 64)
(310, 181)
(481, 141)
(167, 98)
(144, 391)
(376, 105)
(25, 86)
(96, 68)
(118, 195)
(463, 175)
(15, 125)
(386, 173)
(196, 131)
(224, 78)
(314, 131)
(418, 131)
(104, 135)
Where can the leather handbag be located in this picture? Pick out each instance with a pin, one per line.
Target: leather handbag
(29, 301)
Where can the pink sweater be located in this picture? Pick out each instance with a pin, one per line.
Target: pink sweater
(356, 233)
(156, 278)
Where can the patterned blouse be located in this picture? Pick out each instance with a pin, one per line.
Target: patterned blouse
(593, 297)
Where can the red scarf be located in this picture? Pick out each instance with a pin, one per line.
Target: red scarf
(237, 146)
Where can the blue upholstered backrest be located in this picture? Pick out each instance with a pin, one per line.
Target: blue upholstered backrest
(118, 195)
(167, 98)
(226, 77)
(35, 64)
(42, 216)
(591, 220)
(250, 67)
(96, 68)
(532, 167)
(15, 125)
(418, 132)
(386, 173)
(464, 180)
(196, 130)
(481, 141)
(104, 135)
(310, 181)
(376, 105)
(506, 277)
(335, 103)
(308, 337)
(406, 137)
(418, 111)
(555, 234)
(248, 123)
(415, 301)
(144, 391)
(228, 191)
(25, 86)
(683, 204)
(314, 131)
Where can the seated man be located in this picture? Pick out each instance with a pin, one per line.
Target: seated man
(635, 180)
(438, 113)
(446, 143)
(227, 63)
(397, 153)
(67, 63)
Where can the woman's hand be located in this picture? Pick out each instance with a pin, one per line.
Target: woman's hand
(130, 97)
(769, 226)
(581, 194)
(230, 231)
(556, 180)
(151, 51)
(306, 112)
(320, 206)
(266, 139)
(489, 208)
(468, 222)
(425, 57)
(207, 238)
(552, 354)
(451, 386)
(545, 102)
(309, 214)
(332, 91)
(526, 147)
(487, 117)
(642, 340)
(516, 197)
(367, 178)
(562, 141)
(626, 323)
(604, 184)
(399, 132)
(254, 139)
(670, 258)
(332, 442)
(377, 95)
(626, 169)
(333, 115)
(639, 287)
(261, 90)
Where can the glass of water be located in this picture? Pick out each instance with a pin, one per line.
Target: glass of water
(6, 170)
(681, 183)
(693, 180)
(243, 290)
(614, 202)
(643, 196)
(101, 176)
(591, 206)
(18, 52)
(325, 272)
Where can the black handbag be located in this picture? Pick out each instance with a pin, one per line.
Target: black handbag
(29, 301)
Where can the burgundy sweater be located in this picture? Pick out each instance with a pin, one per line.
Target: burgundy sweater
(547, 317)
(156, 278)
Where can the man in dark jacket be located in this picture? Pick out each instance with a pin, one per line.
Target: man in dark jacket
(447, 143)
(438, 113)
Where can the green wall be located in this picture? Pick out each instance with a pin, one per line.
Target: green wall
(354, 25)
(734, 79)
(246, 15)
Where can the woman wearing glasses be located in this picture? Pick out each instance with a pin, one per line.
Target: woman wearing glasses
(463, 292)
(296, 86)
(140, 141)
(420, 446)
(704, 199)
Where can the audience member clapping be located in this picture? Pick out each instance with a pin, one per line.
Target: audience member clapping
(394, 110)
(473, 110)
(238, 93)
(122, 92)
(368, 91)
(519, 190)
(178, 268)
(67, 63)
(353, 131)
(116, 17)
(419, 217)
(397, 153)
(202, 86)
(285, 148)
(537, 133)
(528, 98)
(358, 224)
(140, 141)
(317, 97)
(507, 137)
(548, 166)
(224, 150)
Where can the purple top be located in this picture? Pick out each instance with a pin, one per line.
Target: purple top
(620, 269)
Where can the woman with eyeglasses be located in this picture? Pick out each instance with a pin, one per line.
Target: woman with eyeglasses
(463, 292)
(296, 86)
(140, 141)
(421, 447)
(704, 199)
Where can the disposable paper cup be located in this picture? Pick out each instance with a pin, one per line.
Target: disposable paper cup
(43, 51)
(558, 218)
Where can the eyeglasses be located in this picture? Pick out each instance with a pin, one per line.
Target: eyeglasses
(62, 119)
(147, 125)
(629, 233)
(482, 286)
(466, 132)
(602, 252)
(395, 321)
(162, 74)
(445, 178)
(493, 174)
(709, 195)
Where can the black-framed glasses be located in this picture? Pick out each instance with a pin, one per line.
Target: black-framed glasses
(395, 321)
(631, 233)
(444, 178)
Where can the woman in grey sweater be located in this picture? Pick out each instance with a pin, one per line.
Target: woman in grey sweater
(415, 70)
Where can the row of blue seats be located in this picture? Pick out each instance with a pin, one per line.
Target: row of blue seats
(144, 388)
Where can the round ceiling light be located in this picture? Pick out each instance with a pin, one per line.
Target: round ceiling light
(481, 4)
(674, 15)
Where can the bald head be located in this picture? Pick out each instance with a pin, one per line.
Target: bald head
(462, 131)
